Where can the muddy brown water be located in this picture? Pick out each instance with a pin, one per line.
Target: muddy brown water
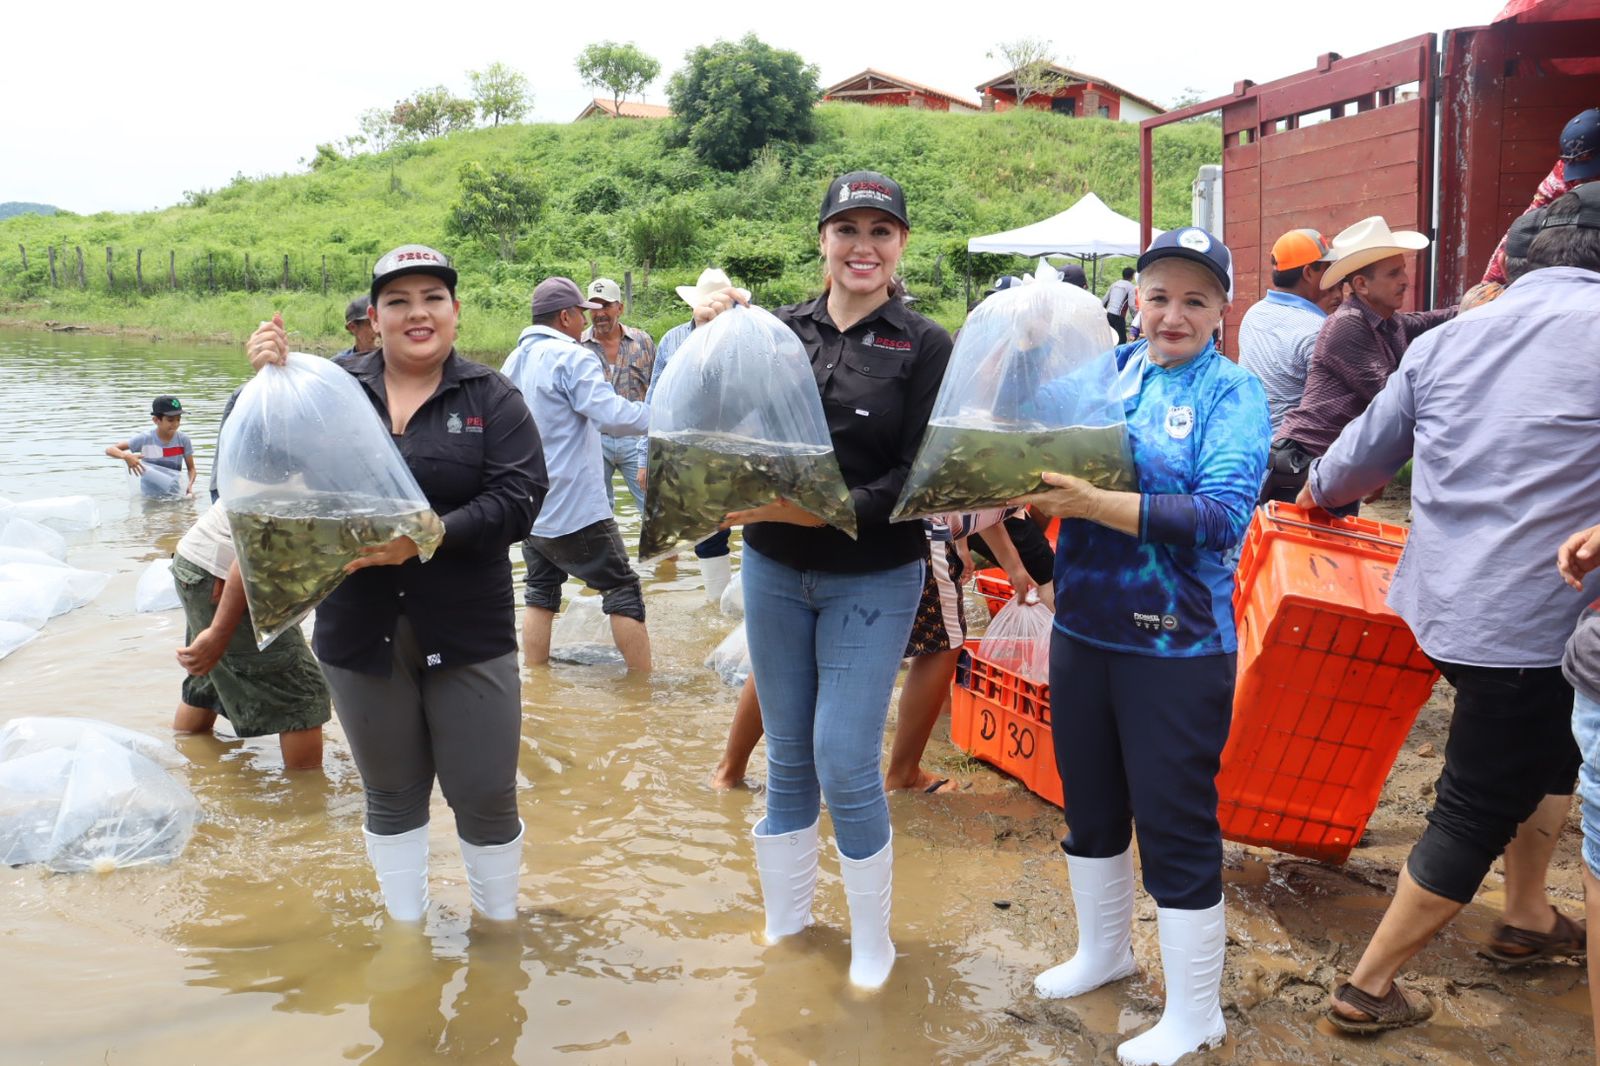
(640, 910)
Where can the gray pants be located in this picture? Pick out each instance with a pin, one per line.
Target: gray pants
(463, 723)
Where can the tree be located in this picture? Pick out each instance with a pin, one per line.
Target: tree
(326, 153)
(495, 206)
(432, 113)
(378, 128)
(734, 97)
(1032, 64)
(501, 93)
(622, 68)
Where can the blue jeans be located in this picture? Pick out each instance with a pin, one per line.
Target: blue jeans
(825, 649)
(622, 453)
(1586, 731)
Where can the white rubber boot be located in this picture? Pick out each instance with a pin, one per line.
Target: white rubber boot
(1102, 894)
(868, 886)
(787, 864)
(1192, 946)
(401, 863)
(717, 572)
(493, 871)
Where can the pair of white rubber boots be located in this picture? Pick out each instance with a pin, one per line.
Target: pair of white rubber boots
(787, 863)
(1192, 948)
(401, 863)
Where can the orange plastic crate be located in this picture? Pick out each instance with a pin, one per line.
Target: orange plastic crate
(995, 588)
(1004, 720)
(1330, 682)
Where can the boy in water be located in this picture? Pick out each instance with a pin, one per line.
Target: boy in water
(162, 448)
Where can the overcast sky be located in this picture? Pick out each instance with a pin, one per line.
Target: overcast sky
(125, 106)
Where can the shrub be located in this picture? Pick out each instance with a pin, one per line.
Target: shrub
(666, 234)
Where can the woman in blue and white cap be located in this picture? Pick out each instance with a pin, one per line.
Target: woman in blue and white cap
(1142, 656)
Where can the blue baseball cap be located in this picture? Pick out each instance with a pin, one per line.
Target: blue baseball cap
(1580, 146)
(1195, 244)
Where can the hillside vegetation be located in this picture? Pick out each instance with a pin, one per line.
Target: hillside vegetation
(615, 197)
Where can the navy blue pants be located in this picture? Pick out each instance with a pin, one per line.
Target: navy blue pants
(1138, 741)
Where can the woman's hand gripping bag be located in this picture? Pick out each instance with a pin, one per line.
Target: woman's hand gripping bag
(1031, 387)
(309, 476)
(737, 422)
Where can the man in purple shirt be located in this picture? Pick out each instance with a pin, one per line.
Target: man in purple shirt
(1502, 445)
(1359, 346)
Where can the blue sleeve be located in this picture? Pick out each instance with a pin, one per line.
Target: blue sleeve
(1372, 448)
(593, 397)
(1230, 466)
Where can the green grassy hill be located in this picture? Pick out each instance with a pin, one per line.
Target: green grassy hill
(614, 194)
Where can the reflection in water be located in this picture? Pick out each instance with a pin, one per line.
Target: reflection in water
(638, 938)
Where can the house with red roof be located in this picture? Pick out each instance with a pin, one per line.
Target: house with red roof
(606, 108)
(1073, 93)
(886, 90)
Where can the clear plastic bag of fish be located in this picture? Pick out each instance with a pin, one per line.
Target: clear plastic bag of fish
(731, 658)
(1031, 387)
(158, 483)
(156, 590)
(736, 423)
(33, 593)
(68, 514)
(77, 795)
(732, 601)
(581, 634)
(1018, 639)
(310, 476)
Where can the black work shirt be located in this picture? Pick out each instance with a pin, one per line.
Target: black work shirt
(878, 381)
(475, 453)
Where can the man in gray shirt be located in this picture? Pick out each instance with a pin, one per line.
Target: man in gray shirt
(1504, 468)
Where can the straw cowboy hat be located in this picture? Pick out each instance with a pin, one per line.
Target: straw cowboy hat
(1365, 243)
(711, 280)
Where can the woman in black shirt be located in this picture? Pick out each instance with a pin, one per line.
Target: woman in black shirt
(827, 616)
(422, 658)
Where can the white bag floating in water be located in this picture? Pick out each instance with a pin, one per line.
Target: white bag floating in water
(31, 536)
(69, 514)
(156, 590)
(31, 556)
(582, 634)
(732, 602)
(731, 658)
(77, 795)
(57, 588)
(14, 635)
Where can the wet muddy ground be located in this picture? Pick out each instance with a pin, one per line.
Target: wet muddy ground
(638, 939)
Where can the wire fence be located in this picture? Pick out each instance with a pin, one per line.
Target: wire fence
(141, 271)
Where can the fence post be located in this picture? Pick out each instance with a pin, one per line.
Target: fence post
(138, 269)
(83, 278)
(645, 283)
(111, 279)
(594, 271)
(247, 272)
(286, 271)
(211, 270)
(52, 251)
(324, 275)
(172, 269)
(627, 288)
(24, 252)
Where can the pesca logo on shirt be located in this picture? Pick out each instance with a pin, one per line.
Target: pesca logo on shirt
(474, 424)
(885, 344)
(453, 423)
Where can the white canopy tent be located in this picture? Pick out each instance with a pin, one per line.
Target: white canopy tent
(1088, 230)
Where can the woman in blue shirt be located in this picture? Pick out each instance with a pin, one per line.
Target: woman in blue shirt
(1142, 657)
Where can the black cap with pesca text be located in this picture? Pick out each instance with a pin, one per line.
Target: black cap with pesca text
(864, 188)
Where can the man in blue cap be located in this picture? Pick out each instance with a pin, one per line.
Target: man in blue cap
(1579, 164)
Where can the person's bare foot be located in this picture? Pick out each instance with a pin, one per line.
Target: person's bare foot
(726, 778)
(922, 782)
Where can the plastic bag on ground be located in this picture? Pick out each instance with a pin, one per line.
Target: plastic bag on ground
(69, 514)
(581, 634)
(22, 736)
(732, 601)
(31, 536)
(88, 802)
(156, 590)
(30, 556)
(1031, 387)
(309, 476)
(731, 658)
(14, 635)
(736, 422)
(1018, 639)
(57, 588)
(159, 482)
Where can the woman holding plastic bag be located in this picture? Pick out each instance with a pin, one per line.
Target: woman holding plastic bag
(422, 658)
(1142, 657)
(827, 617)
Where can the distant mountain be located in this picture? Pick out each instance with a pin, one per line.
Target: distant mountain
(16, 207)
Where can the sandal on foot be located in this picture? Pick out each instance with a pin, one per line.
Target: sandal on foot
(1511, 946)
(1396, 1010)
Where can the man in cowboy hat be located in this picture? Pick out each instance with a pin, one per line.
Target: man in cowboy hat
(1359, 346)
(1579, 164)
